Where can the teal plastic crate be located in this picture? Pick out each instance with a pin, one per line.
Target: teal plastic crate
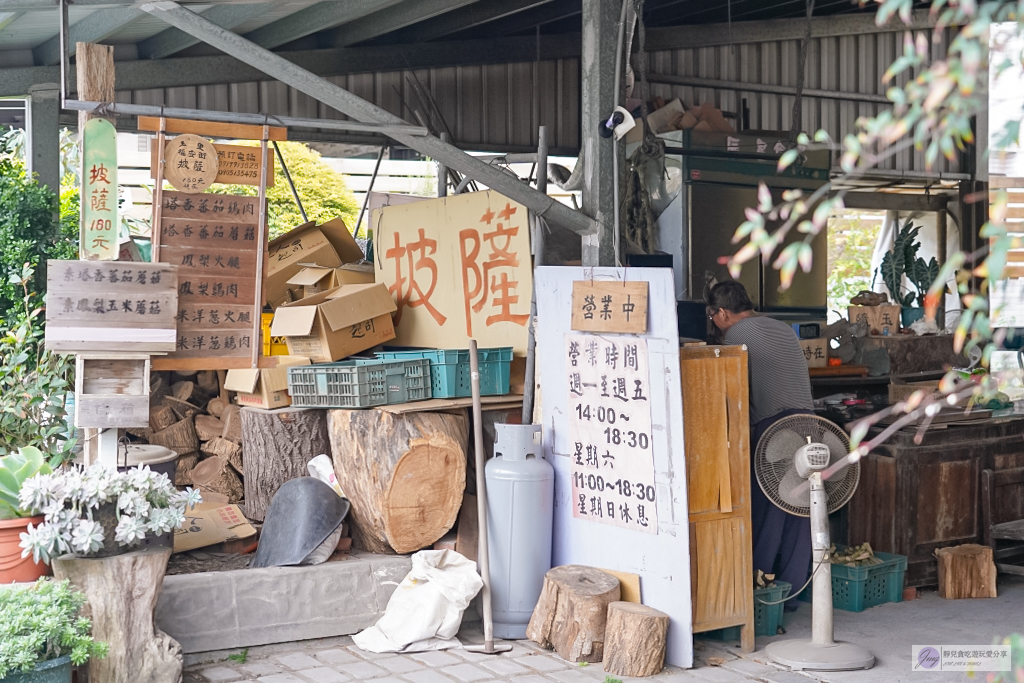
(359, 383)
(767, 618)
(449, 369)
(855, 589)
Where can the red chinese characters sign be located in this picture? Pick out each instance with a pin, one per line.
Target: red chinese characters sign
(99, 192)
(457, 267)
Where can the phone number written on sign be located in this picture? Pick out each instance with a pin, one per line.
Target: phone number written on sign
(610, 427)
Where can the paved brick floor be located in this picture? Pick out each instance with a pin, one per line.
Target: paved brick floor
(337, 660)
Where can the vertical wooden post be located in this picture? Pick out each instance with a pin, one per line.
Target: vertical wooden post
(261, 241)
(94, 68)
(158, 193)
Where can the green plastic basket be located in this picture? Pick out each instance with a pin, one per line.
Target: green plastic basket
(449, 369)
(359, 383)
(855, 589)
(767, 618)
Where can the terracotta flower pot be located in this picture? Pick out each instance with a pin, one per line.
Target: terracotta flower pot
(13, 567)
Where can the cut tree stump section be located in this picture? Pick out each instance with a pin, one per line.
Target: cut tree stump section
(216, 406)
(277, 444)
(635, 640)
(571, 613)
(161, 417)
(122, 591)
(183, 472)
(218, 476)
(404, 475)
(966, 571)
(232, 419)
(208, 427)
(180, 437)
(183, 409)
(225, 449)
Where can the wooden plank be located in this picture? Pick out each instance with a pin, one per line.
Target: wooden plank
(114, 376)
(604, 306)
(213, 316)
(506, 402)
(706, 435)
(208, 231)
(172, 362)
(997, 181)
(214, 260)
(195, 288)
(101, 411)
(628, 583)
(238, 131)
(839, 371)
(237, 165)
(208, 207)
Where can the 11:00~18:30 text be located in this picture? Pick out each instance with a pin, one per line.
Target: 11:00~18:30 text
(595, 482)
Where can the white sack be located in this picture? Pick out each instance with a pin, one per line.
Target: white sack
(425, 611)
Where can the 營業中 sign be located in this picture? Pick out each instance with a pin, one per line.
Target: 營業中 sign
(603, 306)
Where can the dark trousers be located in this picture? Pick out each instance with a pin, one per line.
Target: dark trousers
(782, 542)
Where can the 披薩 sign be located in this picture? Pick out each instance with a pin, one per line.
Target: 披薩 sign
(98, 241)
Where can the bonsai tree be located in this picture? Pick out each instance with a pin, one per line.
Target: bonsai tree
(902, 260)
(43, 623)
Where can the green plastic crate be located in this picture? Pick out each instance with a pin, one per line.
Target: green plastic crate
(449, 369)
(767, 618)
(359, 383)
(855, 589)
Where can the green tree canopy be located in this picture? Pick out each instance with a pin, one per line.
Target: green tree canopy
(323, 190)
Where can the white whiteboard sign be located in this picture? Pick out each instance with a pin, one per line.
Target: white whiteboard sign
(661, 559)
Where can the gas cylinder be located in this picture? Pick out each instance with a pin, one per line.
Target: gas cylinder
(520, 513)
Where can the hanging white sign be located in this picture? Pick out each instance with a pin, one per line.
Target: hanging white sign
(610, 429)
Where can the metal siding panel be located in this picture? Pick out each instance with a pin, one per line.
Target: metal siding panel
(523, 90)
(496, 94)
(274, 98)
(389, 85)
(302, 105)
(444, 88)
(184, 97)
(214, 97)
(470, 128)
(569, 104)
(153, 97)
(547, 79)
(245, 97)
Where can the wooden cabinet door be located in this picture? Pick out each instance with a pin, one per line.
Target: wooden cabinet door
(716, 432)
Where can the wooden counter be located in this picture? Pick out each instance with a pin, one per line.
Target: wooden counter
(915, 498)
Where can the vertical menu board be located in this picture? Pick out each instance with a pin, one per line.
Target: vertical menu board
(213, 241)
(610, 430)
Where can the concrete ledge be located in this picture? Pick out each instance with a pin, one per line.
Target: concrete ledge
(248, 607)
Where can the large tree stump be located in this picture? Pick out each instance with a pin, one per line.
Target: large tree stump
(572, 610)
(276, 445)
(635, 640)
(404, 475)
(122, 591)
(218, 476)
(966, 571)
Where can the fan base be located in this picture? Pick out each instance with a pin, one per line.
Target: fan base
(803, 654)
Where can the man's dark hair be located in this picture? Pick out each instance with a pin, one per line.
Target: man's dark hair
(730, 295)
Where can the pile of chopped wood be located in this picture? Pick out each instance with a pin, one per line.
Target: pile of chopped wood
(855, 556)
(191, 414)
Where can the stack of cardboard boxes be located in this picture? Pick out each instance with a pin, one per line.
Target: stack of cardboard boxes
(326, 307)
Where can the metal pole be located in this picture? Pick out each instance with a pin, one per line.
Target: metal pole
(261, 241)
(158, 195)
(822, 632)
(442, 172)
(941, 238)
(110, 108)
(373, 179)
(351, 105)
(288, 177)
(538, 260)
(483, 561)
(64, 50)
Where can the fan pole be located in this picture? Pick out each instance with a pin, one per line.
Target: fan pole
(822, 632)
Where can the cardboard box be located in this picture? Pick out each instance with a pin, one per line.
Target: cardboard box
(337, 323)
(265, 388)
(329, 245)
(209, 523)
(315, 279)
(815, 351)
(884, 320)
(901, 391)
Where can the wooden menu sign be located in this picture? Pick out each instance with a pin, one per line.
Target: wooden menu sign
(213, 241)
(110, 306)
(236, 165)
(606, 306)
(190, 163)
(100, 224)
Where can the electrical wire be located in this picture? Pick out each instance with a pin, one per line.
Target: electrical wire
(826, 556)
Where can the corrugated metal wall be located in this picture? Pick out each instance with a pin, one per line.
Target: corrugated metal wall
(489, 108)
(850, 64)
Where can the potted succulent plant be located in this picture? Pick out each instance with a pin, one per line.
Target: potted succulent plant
(15, 470)
(902, 260)
(43, 633)
(98, 511)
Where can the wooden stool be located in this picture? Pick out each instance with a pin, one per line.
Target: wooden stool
(571, 612)
(635, 639)
(966, 571)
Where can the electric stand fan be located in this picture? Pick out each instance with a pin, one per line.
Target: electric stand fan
(803, 467)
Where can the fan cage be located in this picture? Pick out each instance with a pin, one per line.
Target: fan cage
(772, 466)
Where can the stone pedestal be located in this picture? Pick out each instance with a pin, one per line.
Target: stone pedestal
(909, 354)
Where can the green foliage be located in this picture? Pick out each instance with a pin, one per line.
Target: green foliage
(851, 242)
(33, 383)
(240, 657)
(15, 468)
(900, 261)
(323, 191)
(44, 622)
(609, 679)
(1016, 672)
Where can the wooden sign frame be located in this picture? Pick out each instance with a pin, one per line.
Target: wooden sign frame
(266, 133)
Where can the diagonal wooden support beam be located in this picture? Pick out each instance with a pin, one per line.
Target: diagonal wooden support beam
(334, 96)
